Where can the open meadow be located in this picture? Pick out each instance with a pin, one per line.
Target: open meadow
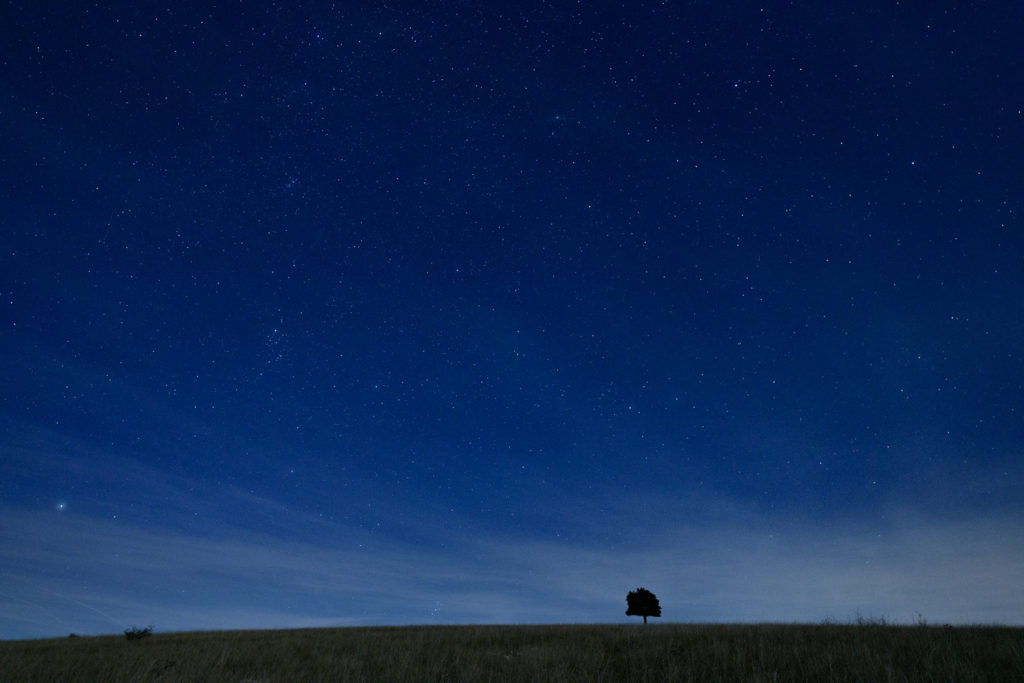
(656, 652)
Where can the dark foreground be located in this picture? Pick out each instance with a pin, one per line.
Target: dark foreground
(657, 652)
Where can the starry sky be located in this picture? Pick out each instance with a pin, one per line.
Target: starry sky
(476, 312)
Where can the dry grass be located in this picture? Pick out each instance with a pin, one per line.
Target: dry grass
(662, 652)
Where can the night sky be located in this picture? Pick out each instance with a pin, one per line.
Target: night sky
(481, 312)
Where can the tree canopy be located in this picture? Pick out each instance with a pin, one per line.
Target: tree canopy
(642, 603)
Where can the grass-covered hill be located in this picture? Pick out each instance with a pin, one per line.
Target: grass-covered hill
(656, 652)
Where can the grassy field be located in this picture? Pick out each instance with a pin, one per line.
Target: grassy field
(656, 652)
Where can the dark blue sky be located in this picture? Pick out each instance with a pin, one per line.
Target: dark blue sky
(483, 312)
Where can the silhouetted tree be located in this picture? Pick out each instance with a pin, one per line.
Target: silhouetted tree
(642, 603)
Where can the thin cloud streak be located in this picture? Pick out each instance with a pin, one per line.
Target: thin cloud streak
(732, 569)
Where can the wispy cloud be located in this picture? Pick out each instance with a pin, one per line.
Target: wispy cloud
(65, 573)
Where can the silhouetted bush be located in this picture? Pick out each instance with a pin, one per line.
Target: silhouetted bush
(136, 633)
